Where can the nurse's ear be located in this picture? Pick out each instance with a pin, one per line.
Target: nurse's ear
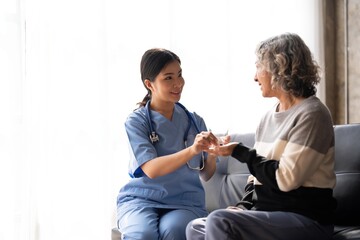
(148, 84)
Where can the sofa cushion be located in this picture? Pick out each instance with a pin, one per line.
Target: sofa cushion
(226, 187)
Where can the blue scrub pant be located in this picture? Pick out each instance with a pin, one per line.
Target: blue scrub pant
(226, 224)
(148, 223)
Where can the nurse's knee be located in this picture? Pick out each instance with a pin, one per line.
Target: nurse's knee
(173, 231)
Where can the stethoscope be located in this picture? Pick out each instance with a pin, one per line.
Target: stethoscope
(154, 137)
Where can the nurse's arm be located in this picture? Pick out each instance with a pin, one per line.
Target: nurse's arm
(209, 168)
(164, 165)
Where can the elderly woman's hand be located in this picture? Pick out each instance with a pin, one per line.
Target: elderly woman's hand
(222, 150)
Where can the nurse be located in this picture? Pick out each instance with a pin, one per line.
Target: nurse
(166, 144)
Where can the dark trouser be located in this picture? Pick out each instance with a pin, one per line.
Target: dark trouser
(226, 224)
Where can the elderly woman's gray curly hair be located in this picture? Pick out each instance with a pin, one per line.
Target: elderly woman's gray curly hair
(290, 62)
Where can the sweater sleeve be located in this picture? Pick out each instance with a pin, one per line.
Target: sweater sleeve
(263, 169)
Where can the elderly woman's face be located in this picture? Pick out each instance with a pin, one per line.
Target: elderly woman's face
(264, 80)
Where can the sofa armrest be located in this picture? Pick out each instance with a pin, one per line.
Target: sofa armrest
(347, 169)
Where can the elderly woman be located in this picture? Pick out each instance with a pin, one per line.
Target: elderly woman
(292, 162)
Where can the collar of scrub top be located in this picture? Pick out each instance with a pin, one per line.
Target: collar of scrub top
(154, 137)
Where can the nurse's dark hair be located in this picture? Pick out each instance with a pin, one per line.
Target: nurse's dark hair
(152, 62)
(289, 60)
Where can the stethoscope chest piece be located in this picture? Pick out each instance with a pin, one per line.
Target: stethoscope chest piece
(154, 137)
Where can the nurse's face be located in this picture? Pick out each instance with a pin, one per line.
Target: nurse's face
(264, 79)
(168, 84)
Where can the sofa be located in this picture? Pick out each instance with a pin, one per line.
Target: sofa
(226, 187)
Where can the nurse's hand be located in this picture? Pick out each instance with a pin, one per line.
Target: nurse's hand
(203, 141)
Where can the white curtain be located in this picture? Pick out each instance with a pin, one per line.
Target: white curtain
(69, 76)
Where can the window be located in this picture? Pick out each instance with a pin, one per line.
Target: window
(71, 77)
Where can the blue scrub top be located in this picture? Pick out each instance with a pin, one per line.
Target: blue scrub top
(181, 189)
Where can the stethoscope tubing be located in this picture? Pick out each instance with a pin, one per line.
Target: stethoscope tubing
(154, 137)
